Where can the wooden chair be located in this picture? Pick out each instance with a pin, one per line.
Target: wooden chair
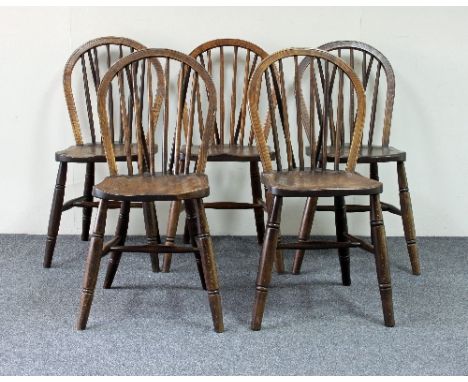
(328, 78)
(369, 63)
(109, 49)
(146, 80)
(233, 138)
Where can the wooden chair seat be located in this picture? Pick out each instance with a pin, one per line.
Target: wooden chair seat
(150, 188)
(93, 152)
(373, 154)
(319, 183)
(231, 153)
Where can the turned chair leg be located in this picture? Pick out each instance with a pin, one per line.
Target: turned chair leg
(408, 220)
(304, 232)
(256, 199)
(121, 233)
(173, 221)
(191, 223)
(87, 193)
(152, 231)
(279, 259)
(341, 225)
(187, 238)
(55, 214)
(205, 245)
(381, 260)
(92, 266)
(266, 262)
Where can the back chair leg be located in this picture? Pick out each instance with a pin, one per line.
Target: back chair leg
(279, 259)
(256, 199)
(152, 231)
(173, 221)
(92, 266)
(381, 260)
(205, 245)
(87, 193)
(55, 214)
(341, 225)
(187, 237)
(408, 220)
(304, 232)
(266, 262)
(373, 174)
(191, 224)
(121, 233)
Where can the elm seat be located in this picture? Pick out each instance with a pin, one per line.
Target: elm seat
(153, 187)
(230, 153)
(372, 154)
(319, 183)
(93, 152)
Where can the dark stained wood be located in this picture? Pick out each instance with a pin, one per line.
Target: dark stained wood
(120, 236)
(319, 183)
(230, 153)
(153, 187)
(372, 154)
(373, 64)
(88, 197)
(326, 105)
(407, 217)
(92, 266)
(172, 182)
(229, 143)
(266, 262)
(86, 60)
(55, 214)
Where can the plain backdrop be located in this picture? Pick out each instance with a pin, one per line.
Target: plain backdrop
(427, 47)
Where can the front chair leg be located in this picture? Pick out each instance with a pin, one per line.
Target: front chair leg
(92, 266)
(266, 262)
(121, 233)
(205, 245)
(55, 214)
(87, 193)
(381, 260)
(341, 225)
(304, 232)
(191, 223)
(408, 220)
(172, 223)
(279, 259)
(152, 231)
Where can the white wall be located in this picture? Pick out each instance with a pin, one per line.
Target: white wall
(428, 48)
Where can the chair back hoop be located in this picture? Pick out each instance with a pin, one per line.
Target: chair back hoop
(142, 102)
(372, 61)
(325, 69)
(88, 54)
(231, 64)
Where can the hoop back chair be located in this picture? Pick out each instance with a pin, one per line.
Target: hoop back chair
(369, 64)
(292, 176)
(147, 82)
(231, 63)
(85, 63)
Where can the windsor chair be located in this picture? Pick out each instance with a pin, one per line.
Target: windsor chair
(233, 138)
(327, 78)
(109, 49)
(369, 63)
(150, 80)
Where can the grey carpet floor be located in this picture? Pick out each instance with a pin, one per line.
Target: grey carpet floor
(160, 323)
